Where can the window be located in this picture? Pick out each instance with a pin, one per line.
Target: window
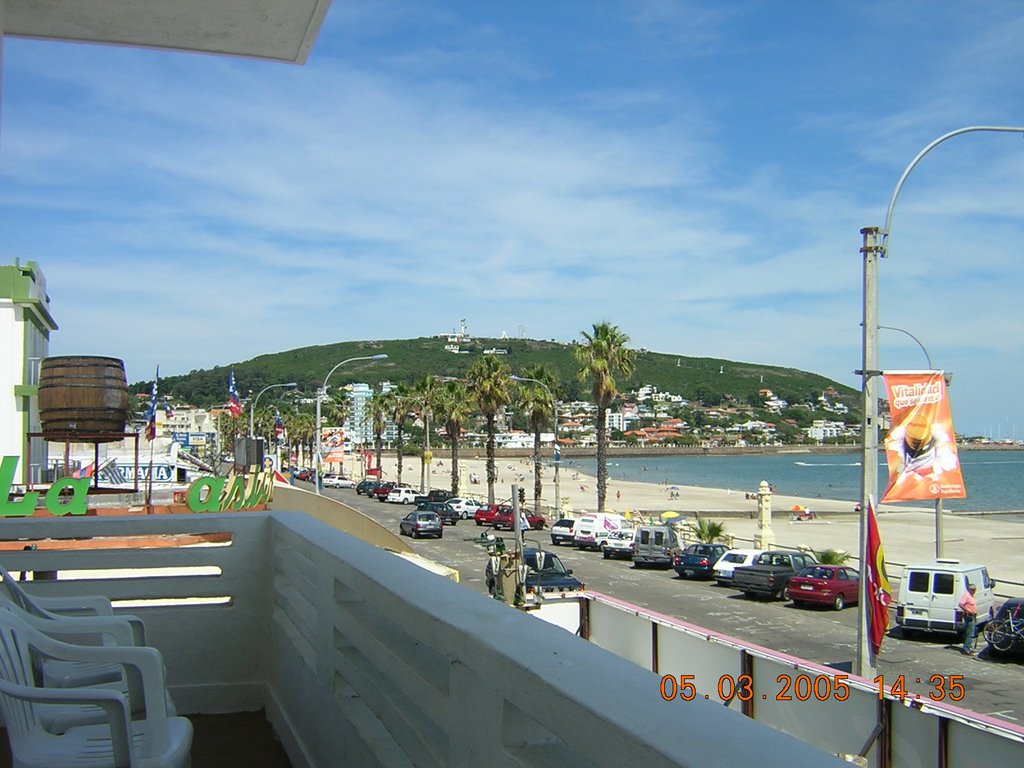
(918, 581)
(645, 537)
(943, 584)
(734, 557)
(659, 538)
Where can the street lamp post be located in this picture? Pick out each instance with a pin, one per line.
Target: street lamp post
(875, 245)
(320, 394)
(558, 452)
(252, 410)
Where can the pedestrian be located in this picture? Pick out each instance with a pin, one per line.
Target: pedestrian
(618, 495)
(969, 606)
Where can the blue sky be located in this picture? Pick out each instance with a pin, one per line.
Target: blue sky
(695, 172)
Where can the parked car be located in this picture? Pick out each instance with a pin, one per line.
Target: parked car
(485, 514)
(592, 530)
(930, 593)
(400, 495)
(654, 545)
(562, 531)
(304, 474)
(770, 574)
(418, 524)
(465, 507)
(434, 494)
(503, 519)
(549, 576)
(734, 558)
(698, 560)
(337, 481)
(448, 515)
(381, 490)
(620, 544)
(364, 486)
(835, 585)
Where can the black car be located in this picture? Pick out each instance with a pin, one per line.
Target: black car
(549, 576)
(448, 515)
(364, 486)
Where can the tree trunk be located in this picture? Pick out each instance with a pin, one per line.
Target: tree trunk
(398, 448)
(455, 464)
(602, 456)
(379, 445)
(492, 472)
(536, 471)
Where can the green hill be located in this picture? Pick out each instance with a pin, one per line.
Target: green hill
(709, 380)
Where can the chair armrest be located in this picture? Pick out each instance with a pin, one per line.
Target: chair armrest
(110, 629)
(89, 605)
(113, 703)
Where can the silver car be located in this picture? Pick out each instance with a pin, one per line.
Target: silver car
(418, 524)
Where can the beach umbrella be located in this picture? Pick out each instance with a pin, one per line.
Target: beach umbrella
(673, 487)
(797, 508)
(669, 515)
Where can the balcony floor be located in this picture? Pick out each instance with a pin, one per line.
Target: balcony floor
(235, 740)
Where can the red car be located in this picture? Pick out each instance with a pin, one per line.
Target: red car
(486, 514)
(380, 491)
(504, 520)
(835, 585)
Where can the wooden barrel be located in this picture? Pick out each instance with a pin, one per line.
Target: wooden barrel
(83, 396)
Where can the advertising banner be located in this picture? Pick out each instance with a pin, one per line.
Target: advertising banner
(921, 446)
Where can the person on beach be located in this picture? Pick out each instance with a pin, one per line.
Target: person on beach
(969, 606)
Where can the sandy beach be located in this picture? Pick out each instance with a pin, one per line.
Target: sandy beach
(908, 533)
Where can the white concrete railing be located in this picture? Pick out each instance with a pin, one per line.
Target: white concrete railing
(363, 659)
(910, 732)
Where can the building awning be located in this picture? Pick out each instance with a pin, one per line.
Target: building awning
(281, 30)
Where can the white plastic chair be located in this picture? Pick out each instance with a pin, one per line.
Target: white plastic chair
(102, 627)
(155, 741)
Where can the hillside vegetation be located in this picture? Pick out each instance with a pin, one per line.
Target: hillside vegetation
(709, 380)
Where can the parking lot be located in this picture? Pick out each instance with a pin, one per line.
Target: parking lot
(994, 687)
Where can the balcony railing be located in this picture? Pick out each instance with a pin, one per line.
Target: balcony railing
(361, 658)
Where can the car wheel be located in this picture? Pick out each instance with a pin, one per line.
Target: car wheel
(605, 553)
(465, 515)
(404, 502)
(479, 523)
(785, 592)
(414, 533)
(838, 603)
(798, 603)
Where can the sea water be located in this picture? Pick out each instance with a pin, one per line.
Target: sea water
(994, 479)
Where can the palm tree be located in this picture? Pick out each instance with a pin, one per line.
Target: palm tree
(378, 408)
(422, 400)
(706, 531)
(300, 427)
(454, 408)
(538, 402)
(832, 556)
(398, 410)
(603, 357)
(489, 383)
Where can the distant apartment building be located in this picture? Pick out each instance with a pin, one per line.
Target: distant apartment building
(25, 328)
(359, 426)
(822, 430)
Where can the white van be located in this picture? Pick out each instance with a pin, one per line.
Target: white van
(654, 545)
(930, 593)
(591, 531)
(734, 558)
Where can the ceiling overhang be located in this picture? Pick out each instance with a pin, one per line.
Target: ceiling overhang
(280, 30)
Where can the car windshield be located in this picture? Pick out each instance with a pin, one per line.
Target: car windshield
(552, 565)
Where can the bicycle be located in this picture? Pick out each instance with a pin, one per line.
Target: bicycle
(1003, 633)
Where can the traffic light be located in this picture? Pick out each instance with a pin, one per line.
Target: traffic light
(522, 495)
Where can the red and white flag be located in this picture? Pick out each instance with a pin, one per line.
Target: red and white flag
(879, 591)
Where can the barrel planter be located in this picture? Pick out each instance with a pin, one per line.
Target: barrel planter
(86, 396)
